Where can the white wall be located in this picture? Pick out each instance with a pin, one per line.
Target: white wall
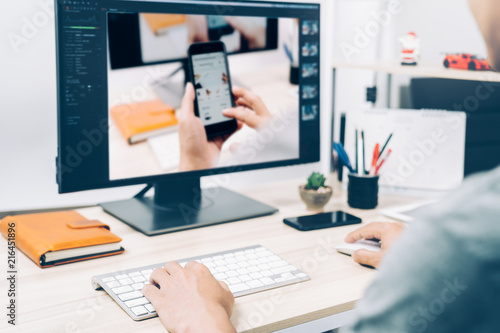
(442, 25)
(28, 121)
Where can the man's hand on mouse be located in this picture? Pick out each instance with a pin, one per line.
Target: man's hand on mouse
(386, 232)
(190, 299)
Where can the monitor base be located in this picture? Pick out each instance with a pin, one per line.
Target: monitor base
(218, 205)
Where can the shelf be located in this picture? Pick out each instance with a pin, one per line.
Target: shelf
(422, 70)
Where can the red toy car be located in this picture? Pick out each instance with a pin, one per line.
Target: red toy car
(466, 61)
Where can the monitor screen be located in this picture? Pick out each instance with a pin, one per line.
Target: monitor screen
(114, 128)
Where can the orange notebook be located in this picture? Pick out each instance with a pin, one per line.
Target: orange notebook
(159, 23)
(139, 121)
(57, 238)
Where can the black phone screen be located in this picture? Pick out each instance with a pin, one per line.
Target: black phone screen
(322, 221)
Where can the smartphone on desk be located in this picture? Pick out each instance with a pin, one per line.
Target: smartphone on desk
(321, 221)
(209, 73)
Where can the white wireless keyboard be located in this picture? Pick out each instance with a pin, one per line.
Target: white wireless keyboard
(246, 271)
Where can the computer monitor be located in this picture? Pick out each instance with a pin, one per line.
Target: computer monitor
(113, 130)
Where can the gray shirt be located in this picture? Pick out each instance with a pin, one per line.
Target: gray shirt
(443, 273)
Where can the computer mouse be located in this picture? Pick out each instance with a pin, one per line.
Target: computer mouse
(350, 248)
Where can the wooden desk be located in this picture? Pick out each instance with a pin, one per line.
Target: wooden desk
(61, 299)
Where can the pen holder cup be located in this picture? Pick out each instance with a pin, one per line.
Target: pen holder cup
(294, 75)
(362, 191)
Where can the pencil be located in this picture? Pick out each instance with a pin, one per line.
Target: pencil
(356, 143)
(385, 145)
(363, 150)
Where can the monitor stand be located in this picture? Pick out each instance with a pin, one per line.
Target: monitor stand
(181, 205)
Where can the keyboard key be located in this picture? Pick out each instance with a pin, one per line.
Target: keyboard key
(134, 274)
(301, 275)
(218, 257)
(243, 271)
(256, 275)
(267, 281)
(231, 260)
(255, 284)
(279, 280)
(263, 267)
(113, 284)
(251, 256)
(209, 264)
(126, 281)
(285, 269)
(249, 251)
(150, 308)
(205, 260)
(138, 286)
(240, 259)
(278, 263)
(253, 269)
(232, 266)
(139, 310)
(219, 262)
(267, 273)
(245, 278)
(233, 280)
(221, 269)
(136, 302)
(129, 296)
(254, 262)
(232, 273)
(108, 279)
(147, 271)
(139, 278)
(288, 276)
(121, 290)
(220, 276)
(228, 255)
(122, 276)
(235, 288)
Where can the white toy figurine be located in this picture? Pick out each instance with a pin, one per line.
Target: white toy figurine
(410, 53)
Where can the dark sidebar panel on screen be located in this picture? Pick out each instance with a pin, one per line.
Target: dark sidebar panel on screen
(82, 94)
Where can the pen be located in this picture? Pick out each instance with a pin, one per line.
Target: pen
(375, 159)
(385, 145)
(343, 156)
(383, 161)
(363, 149)
(356, 144)
(288, 53)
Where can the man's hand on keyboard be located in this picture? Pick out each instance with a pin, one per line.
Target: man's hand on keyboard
(190, 299)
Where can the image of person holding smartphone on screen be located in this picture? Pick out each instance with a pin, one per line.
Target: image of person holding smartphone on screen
(197, 151)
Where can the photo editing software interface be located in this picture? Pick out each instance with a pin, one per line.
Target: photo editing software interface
(118, 127)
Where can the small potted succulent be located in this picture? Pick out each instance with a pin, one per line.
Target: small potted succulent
(315, 194)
